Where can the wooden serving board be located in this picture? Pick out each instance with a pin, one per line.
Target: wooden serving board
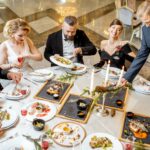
(43, 95)
(69, 108)
(127, 135)
(111, 98)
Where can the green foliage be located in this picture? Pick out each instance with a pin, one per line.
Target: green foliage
(67, 78)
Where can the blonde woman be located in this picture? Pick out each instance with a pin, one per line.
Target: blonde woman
(18, 49)
(144, 14)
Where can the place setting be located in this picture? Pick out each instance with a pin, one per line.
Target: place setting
(15, 91)
(41, 75)
(141, 85)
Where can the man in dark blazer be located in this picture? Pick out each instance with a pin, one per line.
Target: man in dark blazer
(69, 42)
(144, 13)
(5, 74)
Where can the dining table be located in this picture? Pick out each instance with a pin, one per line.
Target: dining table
(13, 137)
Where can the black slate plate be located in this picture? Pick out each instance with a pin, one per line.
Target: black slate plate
(69, 109)
(42, 94)
(111, 99)
(127, 134)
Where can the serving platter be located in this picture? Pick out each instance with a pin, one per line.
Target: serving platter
(62, 61)
(112, 98)
(136, 128)
(53, 91)
(40, 110)
(68, 134)
(116, 145)
(70, 109)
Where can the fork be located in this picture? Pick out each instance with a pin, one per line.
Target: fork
(10, 137)
(14, 90)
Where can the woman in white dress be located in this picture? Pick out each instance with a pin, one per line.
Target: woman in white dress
(18, 49)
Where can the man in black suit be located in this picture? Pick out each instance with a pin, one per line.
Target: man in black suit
(69, 42)
(144, 13)
(5, 74)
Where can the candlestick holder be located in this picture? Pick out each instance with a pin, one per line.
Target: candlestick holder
(101, 110)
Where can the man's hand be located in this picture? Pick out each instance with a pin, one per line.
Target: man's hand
(77, 51)
(14, 76)
(124, 81)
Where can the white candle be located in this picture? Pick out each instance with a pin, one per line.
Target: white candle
(92, 81)
(107, 74)
(120, 77)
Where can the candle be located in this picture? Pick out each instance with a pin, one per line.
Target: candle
(92, 81)
(120, 77)
(107, 74)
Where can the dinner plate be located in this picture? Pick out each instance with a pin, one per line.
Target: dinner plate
(9, 89)
(116, 145)
(41, 75)
(59, 63)
(77, 69)
(68, 134)
(46, 115)
(114, 73)
(23, 144)
(12, 121)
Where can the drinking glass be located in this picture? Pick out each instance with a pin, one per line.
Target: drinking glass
(24, 113)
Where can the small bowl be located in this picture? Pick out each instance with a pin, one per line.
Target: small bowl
(130, 115)
(38, 124)
(81, 104)
(119, 102)
(81, 114)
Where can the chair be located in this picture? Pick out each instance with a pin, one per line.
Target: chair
(126, 15)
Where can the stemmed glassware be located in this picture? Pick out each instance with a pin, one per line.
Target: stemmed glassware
(24, 113)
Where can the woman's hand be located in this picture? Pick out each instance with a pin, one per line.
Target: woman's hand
(15, 76)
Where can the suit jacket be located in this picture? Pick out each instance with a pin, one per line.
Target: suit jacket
(3, 75)
(141, 57)
(54, 45)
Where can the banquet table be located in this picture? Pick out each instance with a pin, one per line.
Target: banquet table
(136, 102)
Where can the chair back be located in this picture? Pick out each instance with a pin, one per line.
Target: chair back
(125, 15)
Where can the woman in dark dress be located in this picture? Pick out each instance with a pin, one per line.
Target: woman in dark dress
(114, 49)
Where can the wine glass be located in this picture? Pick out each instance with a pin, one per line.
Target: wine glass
(24, 113)
(77, 145)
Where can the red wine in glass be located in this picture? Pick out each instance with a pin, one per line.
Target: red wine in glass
(45, 145)
(20, 59)
(23, 112)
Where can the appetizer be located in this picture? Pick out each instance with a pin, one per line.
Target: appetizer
(138, 128)
(100, 142)
(66, 134)
(39, 109)
(62, 60)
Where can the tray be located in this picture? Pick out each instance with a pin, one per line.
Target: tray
(43, 95)
(69, 108)
(111, 98)
(127, 135)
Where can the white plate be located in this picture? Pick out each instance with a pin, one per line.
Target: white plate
(49, 115)
(9, 89)
(41, 75)
(13, 119)
(23, 143)
(139, 87)
(52, 58)
(78, 72)
(116, 144)
(65, 139)
(114, 73)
